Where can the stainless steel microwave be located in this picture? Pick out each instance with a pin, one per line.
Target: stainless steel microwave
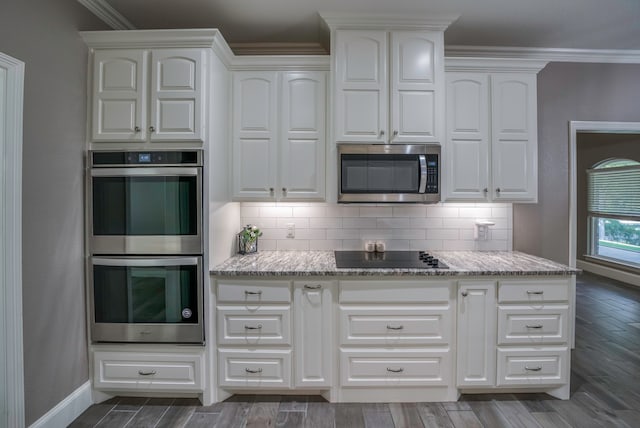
(396, 173)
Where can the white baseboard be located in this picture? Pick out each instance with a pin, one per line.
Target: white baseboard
(618, 275)
(67, 410)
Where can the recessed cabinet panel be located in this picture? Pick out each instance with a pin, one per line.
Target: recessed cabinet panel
(252, 167)
(177, 74)
(257, 104)
(511, 106)
(362, 57)
(470, 174)
(361, 117)
(510, 168)
(300, 177)
(416, 58)
(300, 91)
(176, 116)
(117, 116)
(523, 367)
(118, 74)
(468, 105)
(416, 113)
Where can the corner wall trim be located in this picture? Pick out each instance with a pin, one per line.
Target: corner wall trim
(619, 56)
(67, 410)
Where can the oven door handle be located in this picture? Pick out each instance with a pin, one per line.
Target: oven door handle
(145, 171)
(145, 262)
(423, 173)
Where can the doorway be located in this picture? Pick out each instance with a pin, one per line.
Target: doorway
(11, 354)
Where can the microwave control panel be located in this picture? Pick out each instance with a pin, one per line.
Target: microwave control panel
(432, 174)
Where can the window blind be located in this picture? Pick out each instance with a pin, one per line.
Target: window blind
(614, 192)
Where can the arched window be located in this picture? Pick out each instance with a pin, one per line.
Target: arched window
(613, 208)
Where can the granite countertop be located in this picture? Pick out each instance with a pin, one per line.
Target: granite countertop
(322, 263)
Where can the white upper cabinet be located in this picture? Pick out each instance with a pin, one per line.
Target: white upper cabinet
(389, 86)
(279, 135)
(148, 95)
(491, 145)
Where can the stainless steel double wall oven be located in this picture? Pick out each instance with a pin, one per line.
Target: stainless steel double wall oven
(145, 238)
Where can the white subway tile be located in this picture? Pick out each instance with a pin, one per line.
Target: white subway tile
(261, 222)
(394, 223)
(499, 212)
(410, 211)
(372, 234)
(397, 244)
(274, 233)
(311, 211)
(466, 234)
(494, 245)
(376, 212)
(352, 244)
(474, 212)
(458, 223)
(437, 211)
(458, 245)
(293, 245)
(426, 223)
(444, 234)
(325, 223)
(342, 211)
(359, 223)
(500, 234)
(343, 233)
(249, 211)
(267, 245)
(311, 234)
(276, 212)
(298, 222)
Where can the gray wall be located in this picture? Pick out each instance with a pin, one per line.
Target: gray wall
(566, 92)
(591, 149)
(44, 35)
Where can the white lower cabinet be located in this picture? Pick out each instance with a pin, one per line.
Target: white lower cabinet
(255, 368)
(313, 326)
(539, 366)
(476, 339)
(148, 371)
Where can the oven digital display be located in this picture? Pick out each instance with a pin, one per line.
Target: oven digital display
(144, 157)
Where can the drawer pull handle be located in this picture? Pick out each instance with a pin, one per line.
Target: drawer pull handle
(253, 371)
(534, 326)
(399, 370)
(250, 327)
(252, 293)
(149, 373)
(313, 287)
(391, 327)
(533, 369)
(535, 292)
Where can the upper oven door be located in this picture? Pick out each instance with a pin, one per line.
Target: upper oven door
(148, 210)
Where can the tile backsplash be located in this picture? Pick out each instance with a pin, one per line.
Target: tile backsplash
(323, 226)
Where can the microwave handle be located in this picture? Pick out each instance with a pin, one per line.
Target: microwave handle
(423, 173)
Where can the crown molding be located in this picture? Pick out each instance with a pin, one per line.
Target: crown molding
(281, 62)
(388, 21)
(108, 14)
(278, 49)
(494, 65)
(620, 56)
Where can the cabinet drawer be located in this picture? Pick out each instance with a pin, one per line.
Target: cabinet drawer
(252, 368)
(147, 371)
(525, 325)
(402, 367)
(254, 292)
(383, 325)
(397, 291)
(533, 291)
(262, 326)
(533, 367)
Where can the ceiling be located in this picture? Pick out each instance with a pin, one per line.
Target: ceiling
(573, 24)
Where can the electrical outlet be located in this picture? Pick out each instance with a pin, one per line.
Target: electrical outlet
(291, 230)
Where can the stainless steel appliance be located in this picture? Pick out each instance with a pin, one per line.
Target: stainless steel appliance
(388, 260)
(389, 173)
(139, 299)
(145, 202)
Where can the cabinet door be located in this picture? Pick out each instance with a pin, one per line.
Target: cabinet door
(302, 142)
(417, 87)
(476, 333)
(514, 137)
(177, 92)
(254, 135)
(119, 95)
(466, 158)
(361, 99)
(313, 324)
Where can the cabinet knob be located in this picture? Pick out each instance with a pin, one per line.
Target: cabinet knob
(395, 133)
(284, 190)
(381, 132)
(485, 191)
(271, 190)
(152, 129)
(465, 293)
(498, 191)
(136, 129)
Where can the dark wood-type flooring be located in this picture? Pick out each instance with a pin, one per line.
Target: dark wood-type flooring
(605, 389)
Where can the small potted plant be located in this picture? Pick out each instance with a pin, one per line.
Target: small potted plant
(248, 239)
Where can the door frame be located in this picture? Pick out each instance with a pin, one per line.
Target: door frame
(595, 127)
(11, 351)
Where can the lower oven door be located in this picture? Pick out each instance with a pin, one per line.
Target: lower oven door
(151, 300)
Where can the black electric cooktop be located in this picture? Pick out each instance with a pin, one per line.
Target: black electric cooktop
(388, 260)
